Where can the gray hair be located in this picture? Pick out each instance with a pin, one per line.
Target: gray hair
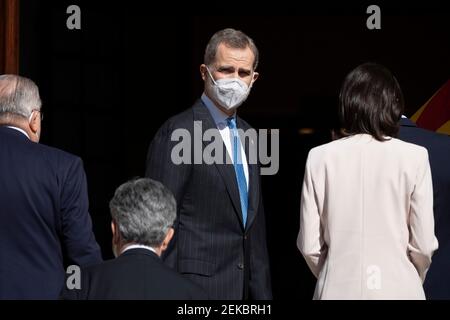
(231, 38)
(18, 96)
(144, 210)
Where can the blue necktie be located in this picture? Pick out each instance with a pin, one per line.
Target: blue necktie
(238, 167)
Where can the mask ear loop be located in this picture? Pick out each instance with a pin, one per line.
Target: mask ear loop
(30, 117)
(207, 69)
(29, 121)
(253, 78)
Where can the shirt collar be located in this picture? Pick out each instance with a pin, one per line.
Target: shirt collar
(20, 130)
(218, 115)
(138, 246)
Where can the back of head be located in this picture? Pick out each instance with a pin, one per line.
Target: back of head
(371, 102)
(232, 38)
(19, 96)
(144, 210)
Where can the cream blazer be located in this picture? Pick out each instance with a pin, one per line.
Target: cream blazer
(366, 219)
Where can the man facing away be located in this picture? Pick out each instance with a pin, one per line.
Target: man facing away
(437, 282)
(43, 201)
(143, 212)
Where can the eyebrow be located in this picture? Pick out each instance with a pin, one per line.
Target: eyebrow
(228, 67)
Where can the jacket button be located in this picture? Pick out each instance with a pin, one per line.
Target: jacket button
(240, 266)
(245, 237)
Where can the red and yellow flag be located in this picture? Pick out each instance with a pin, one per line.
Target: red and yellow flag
(434, 115)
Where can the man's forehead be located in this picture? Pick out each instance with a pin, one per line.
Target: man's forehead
(232, 56)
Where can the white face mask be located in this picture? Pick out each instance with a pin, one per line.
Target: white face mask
(229, 92)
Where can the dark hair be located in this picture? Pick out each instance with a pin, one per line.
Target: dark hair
(233, 39)
(371, 102)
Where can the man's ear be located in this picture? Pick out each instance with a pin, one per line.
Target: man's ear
(115, 231)
(167, 239)
(255, 76)
(203, 71)
(35, 122)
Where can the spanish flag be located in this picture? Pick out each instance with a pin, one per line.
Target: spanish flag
(434, 115)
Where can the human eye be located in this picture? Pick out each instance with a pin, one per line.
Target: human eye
(244, 73)
(226, 70)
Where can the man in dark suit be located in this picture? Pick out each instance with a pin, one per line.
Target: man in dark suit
(220, 238)
(143, 212)
(43, 201)
(437, 282)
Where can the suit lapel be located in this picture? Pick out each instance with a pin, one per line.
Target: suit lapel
(226, 171)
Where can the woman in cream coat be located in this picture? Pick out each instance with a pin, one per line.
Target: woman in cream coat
(366, 217)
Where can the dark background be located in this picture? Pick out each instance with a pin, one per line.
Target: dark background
(108, 87)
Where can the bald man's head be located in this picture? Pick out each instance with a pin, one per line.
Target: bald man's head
(20, 104)
(18, 95)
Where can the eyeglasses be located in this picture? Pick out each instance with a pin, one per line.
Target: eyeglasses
(40, 112)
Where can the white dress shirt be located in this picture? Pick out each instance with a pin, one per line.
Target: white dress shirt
(220, 119)
(20, 130)
(138, 246)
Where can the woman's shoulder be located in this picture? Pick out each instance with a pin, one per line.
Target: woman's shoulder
(358, 143)
(324, 150)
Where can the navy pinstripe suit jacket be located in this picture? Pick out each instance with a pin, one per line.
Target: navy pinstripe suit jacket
(211, 246)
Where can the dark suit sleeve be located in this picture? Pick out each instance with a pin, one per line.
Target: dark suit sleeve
(160, 167)
(79, 241)
(260, 286)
